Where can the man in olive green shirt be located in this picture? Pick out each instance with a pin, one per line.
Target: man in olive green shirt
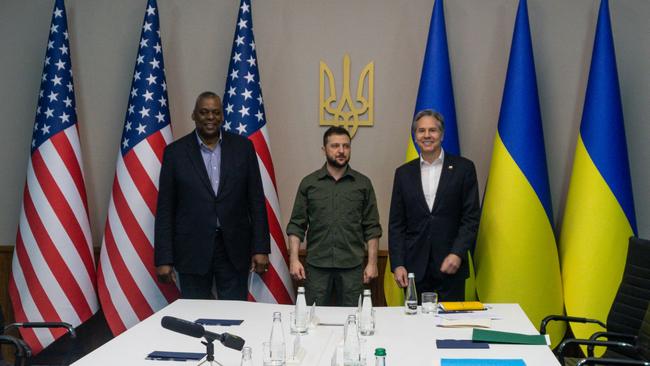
(336, 207)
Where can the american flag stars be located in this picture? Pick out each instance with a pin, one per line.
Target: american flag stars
(244, 114)
(148, 107)
(56, 106)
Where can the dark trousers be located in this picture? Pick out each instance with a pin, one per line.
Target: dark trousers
(346, 284)
(448, 287)
(230, 283)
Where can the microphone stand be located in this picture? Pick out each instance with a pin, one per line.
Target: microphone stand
(209, 352)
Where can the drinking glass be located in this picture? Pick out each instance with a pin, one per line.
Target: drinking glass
(297, 328)
(429, 303)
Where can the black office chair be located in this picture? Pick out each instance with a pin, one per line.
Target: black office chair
(610, 361)
(23, 353)
(639, 346)
(627, 312)
(59, 359)
(21, 350)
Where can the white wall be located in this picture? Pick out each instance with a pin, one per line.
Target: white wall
(292, 37)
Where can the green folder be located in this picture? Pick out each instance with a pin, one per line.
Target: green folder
(493, 336)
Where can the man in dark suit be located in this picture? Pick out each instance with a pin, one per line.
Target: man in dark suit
(211, 222)
(434, 214)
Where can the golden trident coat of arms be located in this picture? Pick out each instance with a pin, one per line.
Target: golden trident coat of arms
(346, 112)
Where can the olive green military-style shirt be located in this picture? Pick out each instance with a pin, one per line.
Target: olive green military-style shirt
(338, 217)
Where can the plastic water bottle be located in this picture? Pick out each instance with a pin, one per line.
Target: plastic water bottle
(277, 341)
(246, 356)
(301, 311)
(351, 349)
(411, 300)
(380, 357)
(366, 321)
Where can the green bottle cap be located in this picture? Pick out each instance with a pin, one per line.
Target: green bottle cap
(380, 352)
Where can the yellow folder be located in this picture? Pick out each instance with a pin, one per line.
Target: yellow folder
(461, 305)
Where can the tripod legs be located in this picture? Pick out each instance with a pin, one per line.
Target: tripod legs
(209, 355)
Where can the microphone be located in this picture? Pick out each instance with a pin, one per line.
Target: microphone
(197, 331)
(183, 327)
(232, 341)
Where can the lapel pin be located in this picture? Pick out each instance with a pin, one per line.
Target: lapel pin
(450, 167)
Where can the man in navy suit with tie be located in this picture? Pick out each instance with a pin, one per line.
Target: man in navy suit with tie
(434, 214)
(211, 223)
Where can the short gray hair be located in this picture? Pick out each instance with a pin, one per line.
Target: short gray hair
(428, 113)
(205, 95)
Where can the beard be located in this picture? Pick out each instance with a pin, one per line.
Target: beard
(331, 160)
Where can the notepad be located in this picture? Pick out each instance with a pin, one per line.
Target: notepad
(493, 336)
(466, 323)
(221, 322)
(461, 305)
(481, 362)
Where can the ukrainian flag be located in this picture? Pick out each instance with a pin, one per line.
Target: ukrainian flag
(599, 215)
(435, 92)
(516, 253)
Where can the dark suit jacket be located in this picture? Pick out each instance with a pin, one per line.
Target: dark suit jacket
(186, 218)
(416, 235)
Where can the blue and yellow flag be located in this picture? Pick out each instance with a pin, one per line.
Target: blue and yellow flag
(435, 92)
(516, 253)
(599, 215)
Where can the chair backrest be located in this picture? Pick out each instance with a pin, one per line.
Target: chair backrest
(643, 340)
(633, 296)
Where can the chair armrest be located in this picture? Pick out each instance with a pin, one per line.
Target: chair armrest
(568, 319)
(610, 361)
(614, 336)
(65, 325)
(587, 342)
(611, 336)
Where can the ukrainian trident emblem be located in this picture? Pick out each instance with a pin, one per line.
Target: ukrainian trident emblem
(347, 112)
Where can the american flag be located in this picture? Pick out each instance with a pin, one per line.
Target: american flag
(53, 269)
(128, 289)
(244, 109)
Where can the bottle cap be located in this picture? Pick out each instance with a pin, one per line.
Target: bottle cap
(301, 289)
(366, 292)
(411, 275)
(380, 351)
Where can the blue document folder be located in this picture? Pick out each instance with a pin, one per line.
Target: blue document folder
(221, 322)
(481, 362)
(460, 344)
(175, 356)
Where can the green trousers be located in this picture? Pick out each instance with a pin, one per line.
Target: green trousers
(333, 286)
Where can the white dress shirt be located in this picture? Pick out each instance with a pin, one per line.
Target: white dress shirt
(430, 173)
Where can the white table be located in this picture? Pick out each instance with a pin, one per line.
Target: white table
(408, 339)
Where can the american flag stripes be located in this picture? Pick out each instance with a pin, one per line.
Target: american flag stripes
(127, 285)
(244, 114)
(53, 270)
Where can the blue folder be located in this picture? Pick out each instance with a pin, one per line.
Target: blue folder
(460, 344)
(175, 356)
(221, 322)
(481, 362)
